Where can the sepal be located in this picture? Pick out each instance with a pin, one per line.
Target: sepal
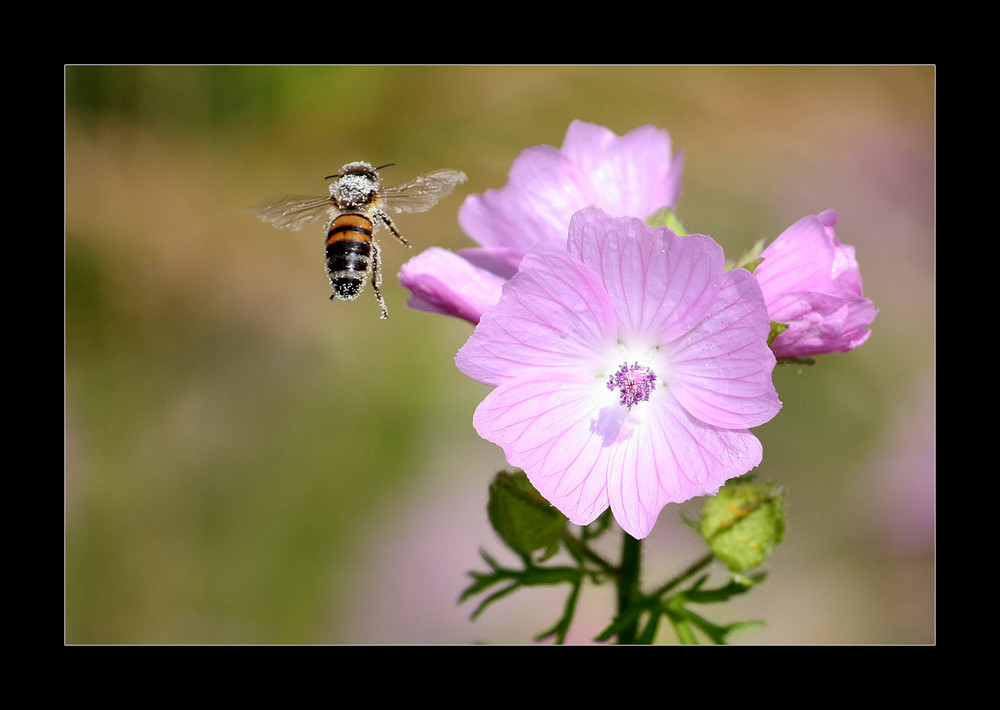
(666, 217)
(751, 259)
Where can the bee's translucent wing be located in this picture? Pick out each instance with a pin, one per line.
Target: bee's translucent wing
(422, 193)
(295, 211)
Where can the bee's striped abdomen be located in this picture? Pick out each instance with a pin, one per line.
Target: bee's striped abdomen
(348, 255)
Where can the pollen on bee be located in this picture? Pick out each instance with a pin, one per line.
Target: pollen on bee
(353, 190)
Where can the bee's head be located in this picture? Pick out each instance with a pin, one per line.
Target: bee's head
(356, 184)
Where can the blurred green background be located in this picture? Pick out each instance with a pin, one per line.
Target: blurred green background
(247, 462)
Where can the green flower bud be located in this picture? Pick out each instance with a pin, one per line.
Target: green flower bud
(743, 523)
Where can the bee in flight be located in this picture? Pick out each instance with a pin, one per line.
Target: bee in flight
(356, 207)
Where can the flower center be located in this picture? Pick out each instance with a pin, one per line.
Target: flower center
(635, 382)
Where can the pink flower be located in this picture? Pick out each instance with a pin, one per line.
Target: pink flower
(632, 175)
(627, 369)
(812, 283)
(453, 284)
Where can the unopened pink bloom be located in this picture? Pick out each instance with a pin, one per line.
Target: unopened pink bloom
(627, 369)
(812, 283)
(631, 175)
(432, 277)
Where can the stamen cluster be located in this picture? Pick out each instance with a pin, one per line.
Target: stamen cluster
(636, 384)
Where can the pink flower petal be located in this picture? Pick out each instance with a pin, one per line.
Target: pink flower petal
(661, 285)
(443, 282)
(812, 283)
(547, 425)
(634, 175)
(721, 370)
(673, 458)
(544, 190)
(553, 314)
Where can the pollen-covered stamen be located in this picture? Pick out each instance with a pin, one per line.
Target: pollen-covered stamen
(636, 384)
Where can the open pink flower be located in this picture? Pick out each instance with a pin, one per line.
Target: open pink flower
(812, 282)
(632, 175)
(627, 369)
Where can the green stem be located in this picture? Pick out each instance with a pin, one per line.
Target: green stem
(582, 551)
(689, 572)
(628, 584)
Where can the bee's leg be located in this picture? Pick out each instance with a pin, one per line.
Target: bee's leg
(384, 218)
(376, 277)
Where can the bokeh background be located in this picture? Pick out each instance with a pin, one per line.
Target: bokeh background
(247, 462)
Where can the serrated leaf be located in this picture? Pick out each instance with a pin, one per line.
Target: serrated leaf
(499, 594)
(715, 632)
(738, 584)
(561, 627)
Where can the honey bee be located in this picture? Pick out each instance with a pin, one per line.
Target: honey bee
(358, 204)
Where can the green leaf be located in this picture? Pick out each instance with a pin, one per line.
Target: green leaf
(530, 576)
(561, 627)
(738, 584)
(522, 517)
(484, 581)
(685, 634)
(648, 633)
(631, 616)
(481, 607)
(743, 523)
(716, 633)
(623, 620)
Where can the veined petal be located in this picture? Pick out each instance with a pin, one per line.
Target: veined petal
(630, 175)
(634, 175)
(721, 370)
(549, 425)
(661, 285)
(543, 191)
(800, 259)
(553, 314)
(673, 458)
